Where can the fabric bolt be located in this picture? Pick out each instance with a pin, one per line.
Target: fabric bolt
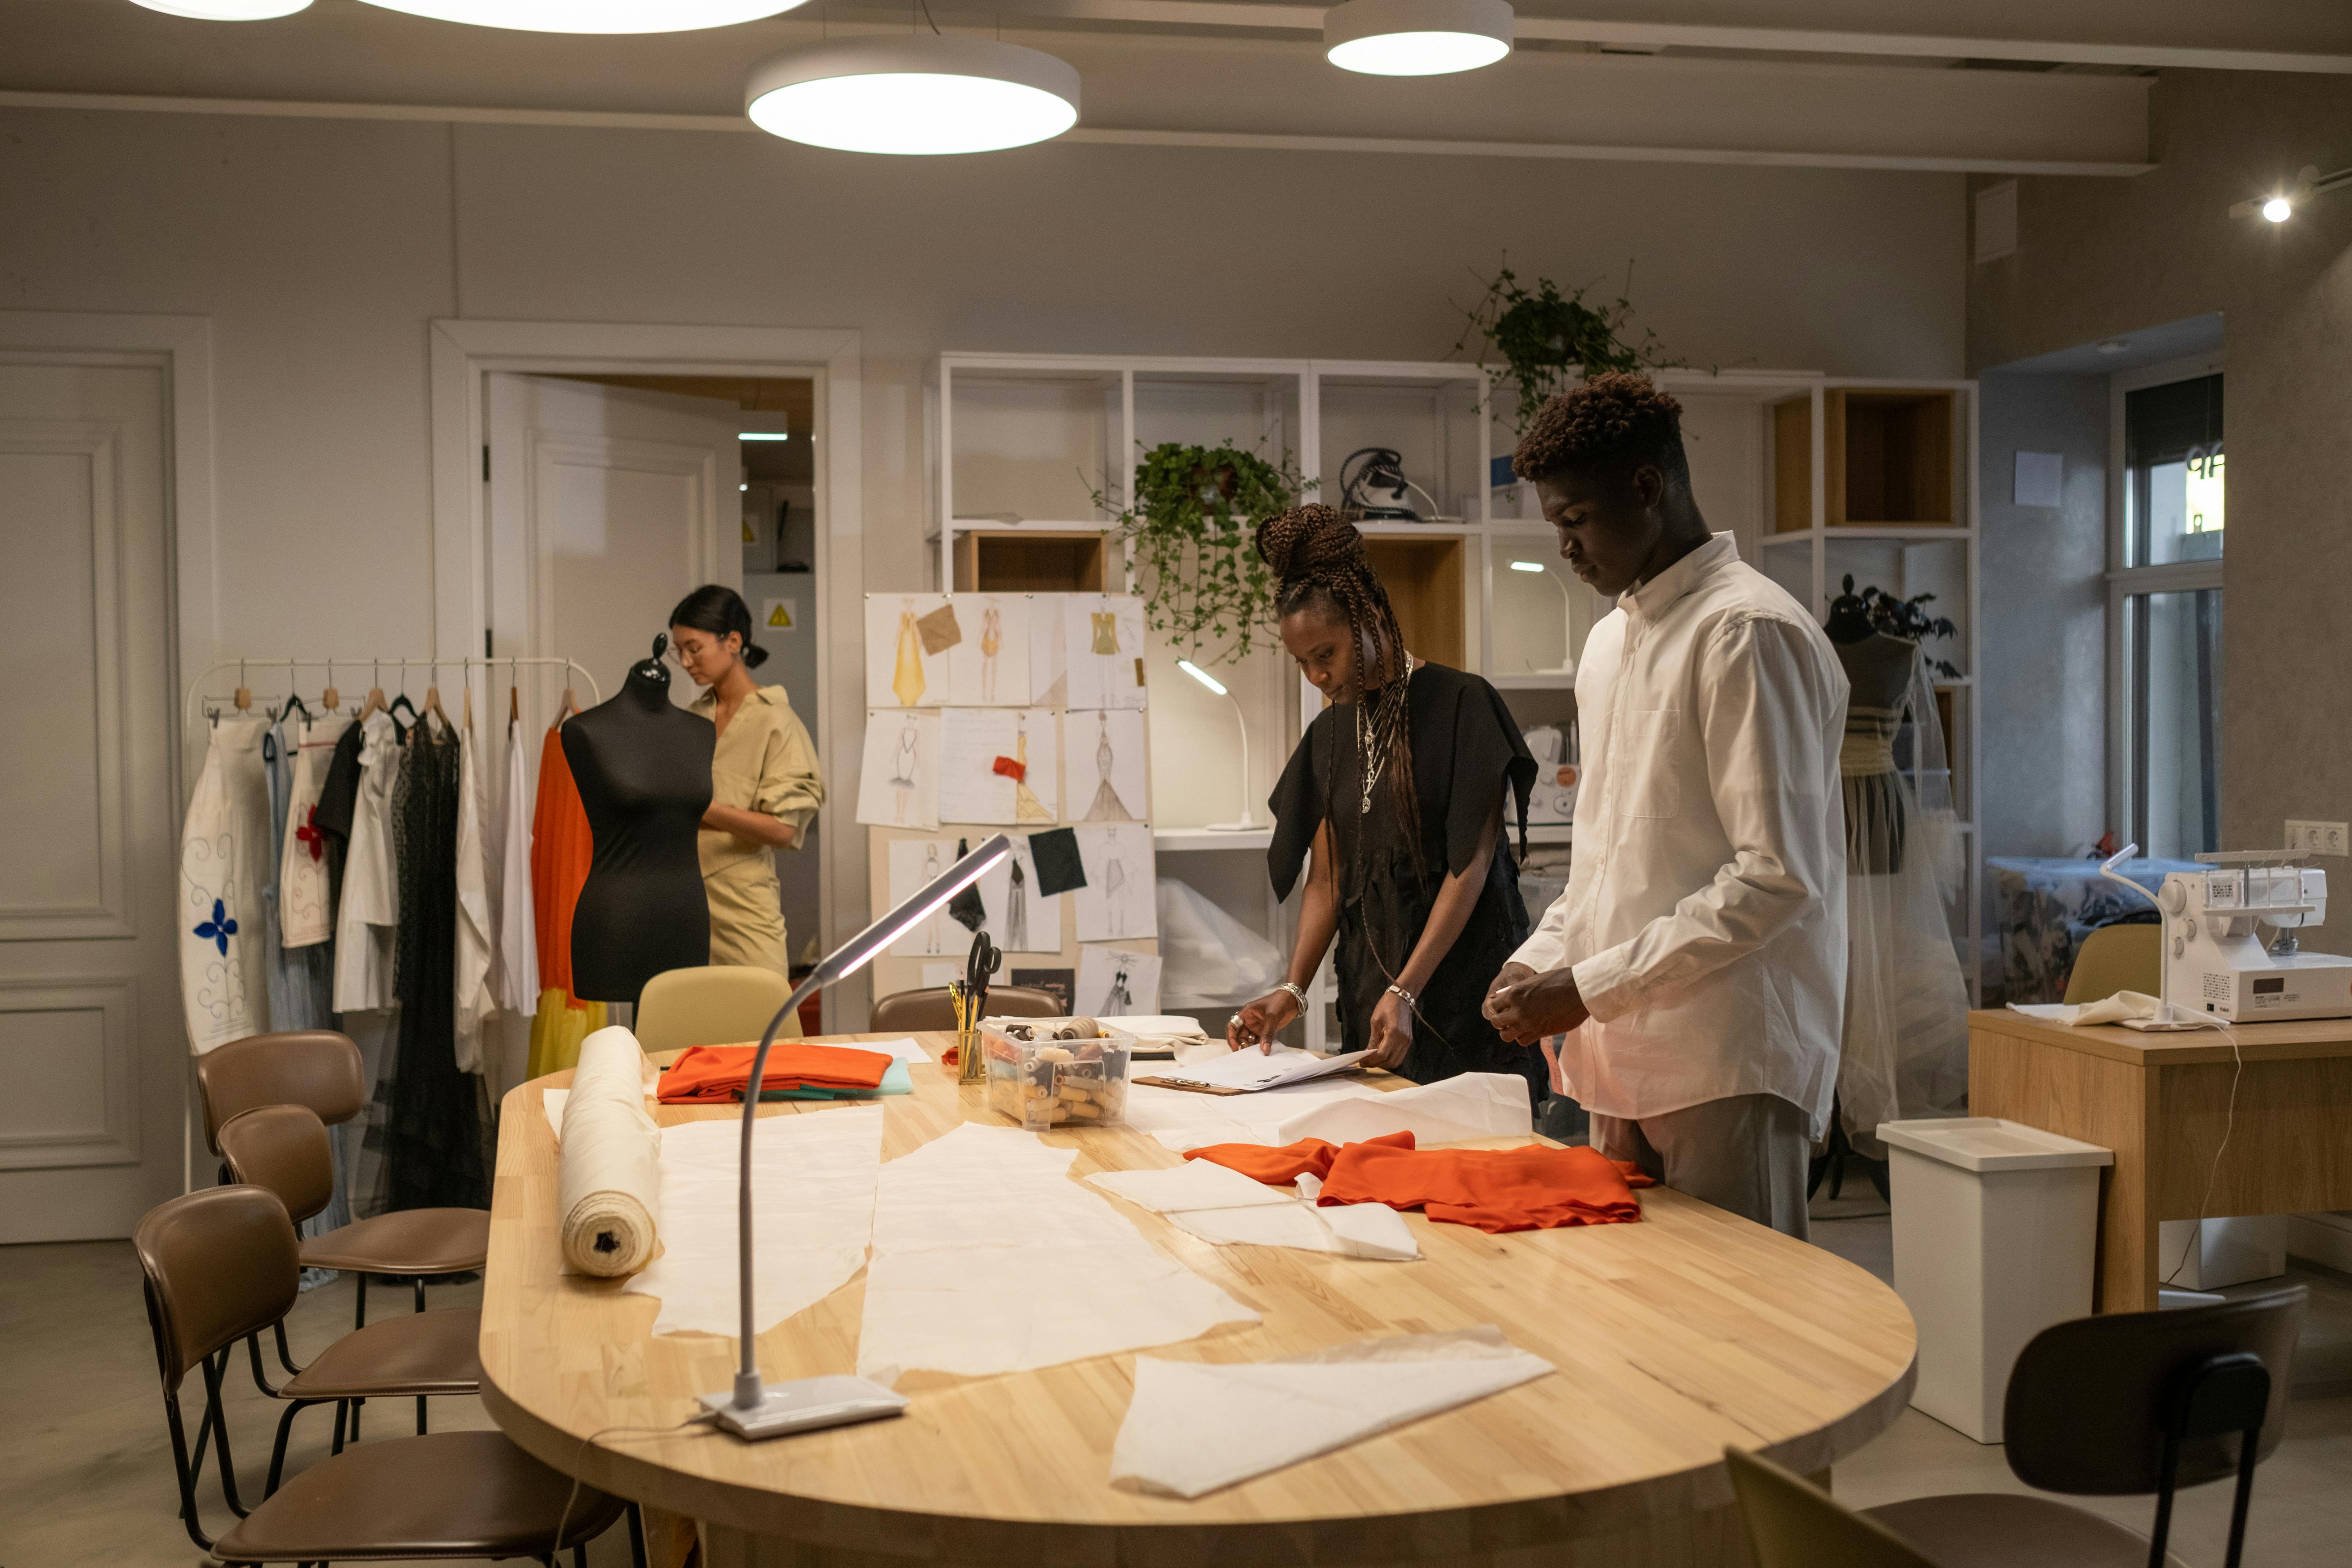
(473, 998)
(305, 893)
(516, 966)
(557, 1027)
(225, 866)
(369, 914)
(1705, 918)
(608, 1169)
(561, 849)
(1467, 757)
(1747, 1154)
(764, 762)
(722, 1072)
(1280, 1167)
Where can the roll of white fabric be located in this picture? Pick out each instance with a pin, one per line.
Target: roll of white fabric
(608, 1178)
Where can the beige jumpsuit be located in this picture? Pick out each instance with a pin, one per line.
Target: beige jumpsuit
(764, 762)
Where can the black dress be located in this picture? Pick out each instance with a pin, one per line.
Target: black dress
(1465, 751)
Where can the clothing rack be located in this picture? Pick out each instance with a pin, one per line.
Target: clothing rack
(188, 710)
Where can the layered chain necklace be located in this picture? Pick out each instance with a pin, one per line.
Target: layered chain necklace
(1378, 723)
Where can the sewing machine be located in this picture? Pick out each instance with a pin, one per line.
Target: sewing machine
(2216, 962)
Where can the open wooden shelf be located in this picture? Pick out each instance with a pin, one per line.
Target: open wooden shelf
(1424, 575)
(1056, 561)
(1886, 453)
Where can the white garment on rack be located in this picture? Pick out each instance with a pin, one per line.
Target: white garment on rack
(367, 923)
(476, 930)
(516, 965)
(306, 914)
(223, 869)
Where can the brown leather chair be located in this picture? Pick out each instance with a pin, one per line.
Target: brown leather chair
(317, 1067)
(221, 1265)
(1792, 1523)
(2120, 1405)
(930, 1009)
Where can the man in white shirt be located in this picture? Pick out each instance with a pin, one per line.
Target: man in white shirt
(1696, 962)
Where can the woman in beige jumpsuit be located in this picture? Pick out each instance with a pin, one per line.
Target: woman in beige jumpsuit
(764, 781)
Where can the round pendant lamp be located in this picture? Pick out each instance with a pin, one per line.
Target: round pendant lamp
(1416, 38)
(591, 16)
(913, 93)
(227, 10)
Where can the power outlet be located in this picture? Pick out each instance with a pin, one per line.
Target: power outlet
(2317, 837)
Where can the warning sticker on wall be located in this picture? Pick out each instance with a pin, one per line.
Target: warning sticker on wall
(781, 614)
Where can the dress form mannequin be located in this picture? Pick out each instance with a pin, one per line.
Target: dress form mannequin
(1878, 674)
(643, 766)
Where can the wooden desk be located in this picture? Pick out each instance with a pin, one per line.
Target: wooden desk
(1673, 1337)
(2160, 1102)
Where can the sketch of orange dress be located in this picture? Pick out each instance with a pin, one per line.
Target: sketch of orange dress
(907, 677)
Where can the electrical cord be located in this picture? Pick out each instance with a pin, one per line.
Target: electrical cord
(2213, 1174)
(563, 1520)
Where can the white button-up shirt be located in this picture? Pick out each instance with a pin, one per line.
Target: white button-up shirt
(1705, 915)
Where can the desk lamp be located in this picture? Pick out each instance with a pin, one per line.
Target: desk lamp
(1247, 824)
(1568, 606)
(753, 1409)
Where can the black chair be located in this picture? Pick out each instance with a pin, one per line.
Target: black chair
(2121, 1406)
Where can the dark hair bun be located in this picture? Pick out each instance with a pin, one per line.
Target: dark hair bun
(754, 655)
(1310, 540)
(718, 609)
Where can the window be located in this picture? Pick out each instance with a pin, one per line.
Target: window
(2164, 611)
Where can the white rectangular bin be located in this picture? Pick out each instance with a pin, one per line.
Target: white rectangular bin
(1996, 1236)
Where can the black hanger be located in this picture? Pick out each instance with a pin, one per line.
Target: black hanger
(394, 708)
(294, 704)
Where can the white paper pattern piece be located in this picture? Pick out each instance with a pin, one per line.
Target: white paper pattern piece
(1472, 1105)
(988, 1259)
(1113, 980)
(1120, 898)
(813, 1178)
(898, 780)
(989, 668)
(1194, 1184)
(1109, 778)
(901, 672)
(1102, 645)
(971, 790)
(1371, 1231)
(1183, 1121)
(1192, 1428)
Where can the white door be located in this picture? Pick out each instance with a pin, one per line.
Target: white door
(93, 1050)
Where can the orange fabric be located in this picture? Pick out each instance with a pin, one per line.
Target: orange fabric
(1495, 1190)
(722, 1072)
(1280, 1167)
(561, 848)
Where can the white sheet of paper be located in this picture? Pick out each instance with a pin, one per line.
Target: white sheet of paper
(1033, 924)
(888, 635)
(1102, 645)
(1472, 1105)
(1194, 1184)
(978, 678)
(1049, 673)
(987, 1258)
(1193, 1428)
(971, 790)
(1252, 1071)
(904, 1049)
(1371, 1231)
(1181, 1120)
(898, 776)
(1121, 895)
(1106, 775)
(813, 1189)
(1113, 980)
(913, 863)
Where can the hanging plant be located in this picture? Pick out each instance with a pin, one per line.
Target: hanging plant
(1190, 537)
(1547, 339)
(1907, 620)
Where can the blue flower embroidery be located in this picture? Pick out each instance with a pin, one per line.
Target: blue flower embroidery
(218, 929)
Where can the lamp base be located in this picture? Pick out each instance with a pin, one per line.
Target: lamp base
(805, 1404)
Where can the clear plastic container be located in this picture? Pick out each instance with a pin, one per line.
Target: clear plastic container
(1065, 1073)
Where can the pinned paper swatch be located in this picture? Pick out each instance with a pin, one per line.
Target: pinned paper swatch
(1060, 866)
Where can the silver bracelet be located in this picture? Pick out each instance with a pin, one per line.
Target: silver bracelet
(1296, 995)
(1410, 1001)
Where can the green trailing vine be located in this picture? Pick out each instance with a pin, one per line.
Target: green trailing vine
(1548, 339)
(1189, 535)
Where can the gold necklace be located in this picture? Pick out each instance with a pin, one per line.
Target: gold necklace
(1376, 732)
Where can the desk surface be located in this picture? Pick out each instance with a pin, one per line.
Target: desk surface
(2256, 1042)
(1673, 1337)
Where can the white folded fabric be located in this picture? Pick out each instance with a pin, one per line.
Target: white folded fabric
(1472, 1105)
(1193, 1427)
(2132, 1009)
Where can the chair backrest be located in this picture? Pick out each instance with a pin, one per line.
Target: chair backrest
(281, 1148)
(316, 1068)
(221, 1263)
(2117, 958)
(718, 1005)
(1792, 1523)
(2090, 1400)
(930, 1009)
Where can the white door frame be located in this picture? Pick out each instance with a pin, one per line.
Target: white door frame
(464, 351)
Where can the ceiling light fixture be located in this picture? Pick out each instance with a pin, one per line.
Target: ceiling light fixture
(2281, 205)
(591, 15)
(1416, 38)
(914, 94)
(227, 10)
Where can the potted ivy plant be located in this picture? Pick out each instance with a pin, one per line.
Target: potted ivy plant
(1549, 338)
(1190, 533)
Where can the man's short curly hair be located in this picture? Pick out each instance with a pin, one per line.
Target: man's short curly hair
(1612, 423)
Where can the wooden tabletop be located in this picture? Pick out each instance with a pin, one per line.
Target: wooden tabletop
(2255, 1042)
(1673, 1337)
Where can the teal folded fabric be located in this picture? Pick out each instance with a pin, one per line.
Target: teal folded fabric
(894, 1081)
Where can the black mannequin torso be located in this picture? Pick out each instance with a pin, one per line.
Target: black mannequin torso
(642, 767)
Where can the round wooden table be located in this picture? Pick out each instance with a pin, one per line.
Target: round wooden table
(1672, 1338)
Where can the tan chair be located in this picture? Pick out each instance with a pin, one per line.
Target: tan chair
(317, 1067)
(220, 1266)
(1792, 1523)
(910, 1011)
(718, 1005)
(2117, 958)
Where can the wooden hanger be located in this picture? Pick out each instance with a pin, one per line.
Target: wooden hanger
(330, 698)
(374, 703)
(514, 704)
(568, 707)
(433, 704)
(244, 692)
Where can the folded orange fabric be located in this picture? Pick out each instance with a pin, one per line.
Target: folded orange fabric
(1495, 1190)
(722, 1072)
(1280, 1167)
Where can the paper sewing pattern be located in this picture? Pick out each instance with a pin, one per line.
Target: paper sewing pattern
(1108, 775)
(1121, 897)
(990, 668)
(898, 780)
(901, 669)
(1102, 645)
(988, 1259)
(1113, 980)
(970, 788)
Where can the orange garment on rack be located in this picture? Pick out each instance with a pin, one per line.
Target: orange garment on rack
(706, 1073)
(1280, 1167)
(561, 848)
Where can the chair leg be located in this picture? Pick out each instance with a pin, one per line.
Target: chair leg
(285, 1351)
(342, 1414)
(2249, 1450)
(359, 1319)
(420, 1415)
(580, 1555)
(357, 1405)
(278, 1453)
(420, 1292)
(636, 1537)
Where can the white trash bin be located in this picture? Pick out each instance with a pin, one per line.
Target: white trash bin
(1996, 1237)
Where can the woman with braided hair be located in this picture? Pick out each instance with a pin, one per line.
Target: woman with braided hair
(1395, 799)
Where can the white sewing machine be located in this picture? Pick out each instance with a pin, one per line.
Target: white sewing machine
(2217, 962)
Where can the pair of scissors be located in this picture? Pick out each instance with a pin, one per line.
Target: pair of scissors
(985, 960)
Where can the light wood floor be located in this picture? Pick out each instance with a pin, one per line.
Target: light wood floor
(86, 1469)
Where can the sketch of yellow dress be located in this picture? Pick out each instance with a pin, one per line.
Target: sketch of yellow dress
(907, 677)
(1105, 631)
(1026, 806)
(1107, 806)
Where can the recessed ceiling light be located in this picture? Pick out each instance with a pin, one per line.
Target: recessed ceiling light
(913, 93)
(227, 10)
(591, 16)
(1416, 38)
(2278, 209)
